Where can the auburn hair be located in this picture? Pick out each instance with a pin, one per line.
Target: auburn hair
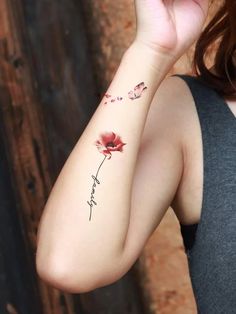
(221, 29)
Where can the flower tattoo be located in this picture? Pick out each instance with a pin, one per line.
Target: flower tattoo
(133, 94)
(107, 143)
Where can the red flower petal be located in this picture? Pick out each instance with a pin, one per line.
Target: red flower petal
(107, 137)
(117, 140)
(109, 142)
(106, 152)
(117, 148)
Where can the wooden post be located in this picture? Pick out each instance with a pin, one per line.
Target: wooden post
(18, 292)
(25, 143)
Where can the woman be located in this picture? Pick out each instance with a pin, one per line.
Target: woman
(153, 142)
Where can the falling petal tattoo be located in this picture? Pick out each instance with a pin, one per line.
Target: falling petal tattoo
(133, 94)
(138, 91)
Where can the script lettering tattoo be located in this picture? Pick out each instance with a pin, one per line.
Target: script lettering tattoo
(107, 143)
(133, 94)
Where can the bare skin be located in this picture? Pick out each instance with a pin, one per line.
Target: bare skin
(78, 255)
(161, 165)
(232, 105)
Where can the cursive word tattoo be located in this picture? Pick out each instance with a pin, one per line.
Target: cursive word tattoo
(133, 94)
(107, 143)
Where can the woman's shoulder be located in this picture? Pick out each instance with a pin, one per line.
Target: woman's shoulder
(184, 117)
(173, 112)
(176, 101)
(175, 94)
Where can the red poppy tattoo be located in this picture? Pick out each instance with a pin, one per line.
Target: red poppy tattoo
(109, 142)
(133, 94)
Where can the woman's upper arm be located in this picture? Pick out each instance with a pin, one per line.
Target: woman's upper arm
(158, 170)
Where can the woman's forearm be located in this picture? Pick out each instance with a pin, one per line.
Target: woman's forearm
(86, 218)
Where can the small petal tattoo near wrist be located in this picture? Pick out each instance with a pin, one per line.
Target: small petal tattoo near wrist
(138, 91)
(109, 142)
(133, 94)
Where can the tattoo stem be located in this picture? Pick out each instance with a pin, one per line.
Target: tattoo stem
(100, 166)
(93, 190)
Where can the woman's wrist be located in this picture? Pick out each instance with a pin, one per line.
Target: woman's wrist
(159, 61)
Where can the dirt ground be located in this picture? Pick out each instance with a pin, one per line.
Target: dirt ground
(167, 280)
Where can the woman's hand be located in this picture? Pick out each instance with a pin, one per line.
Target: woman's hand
(170, 26)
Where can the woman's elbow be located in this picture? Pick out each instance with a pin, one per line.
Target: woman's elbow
(61, 278)
(74, 279)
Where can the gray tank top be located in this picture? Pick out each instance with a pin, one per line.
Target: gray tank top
(210, 245)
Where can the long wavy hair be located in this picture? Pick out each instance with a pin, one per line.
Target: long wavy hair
(222, 30)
